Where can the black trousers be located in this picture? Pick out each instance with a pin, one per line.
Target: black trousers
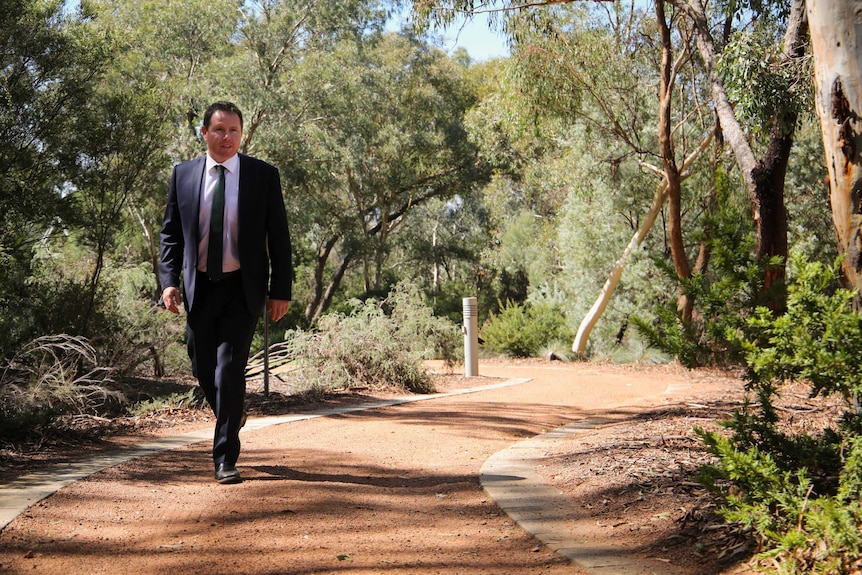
(220, 330)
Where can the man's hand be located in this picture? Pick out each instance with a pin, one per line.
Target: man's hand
(277, 308)
(171, 298)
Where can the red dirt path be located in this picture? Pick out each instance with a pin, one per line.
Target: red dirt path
(389, 490)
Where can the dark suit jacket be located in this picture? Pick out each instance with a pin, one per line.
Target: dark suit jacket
(264, 239)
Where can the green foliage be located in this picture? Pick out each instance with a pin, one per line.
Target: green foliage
(387, 137)
(523, 330)
(523, 248)
(811, 232)
(134, 335)
(800, 528)
(758, 83)
(46, 69)
(765, 497)
(723, 302)
(818, 339)
(784, 486)
(724, 296)
(371, 348)
(430, 336)
(447, 238)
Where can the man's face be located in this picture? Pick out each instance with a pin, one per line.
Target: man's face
(223, 136)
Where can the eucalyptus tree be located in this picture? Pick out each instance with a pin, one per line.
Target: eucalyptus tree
(48, 63)
(612, 66)
(383, 134)
(757, 105)
(837, 51)
(601, 67)
(272, 39)
(120, 139)
(760, 142)
(441, 247)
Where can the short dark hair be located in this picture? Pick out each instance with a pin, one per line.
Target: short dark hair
(221, 106)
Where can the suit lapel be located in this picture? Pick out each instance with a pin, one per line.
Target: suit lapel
(244, 202)
(195, 183)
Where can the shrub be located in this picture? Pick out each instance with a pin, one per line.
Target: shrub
(524, 330)
(724, 295)
(429, 336)
(52, 375)
(130, 332)
(370, 347)
(798, 493)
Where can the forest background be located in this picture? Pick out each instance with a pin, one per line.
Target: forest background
(520, 181)
(636, 181)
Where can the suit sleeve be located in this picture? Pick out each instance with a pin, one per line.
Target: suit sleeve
(278, 242)
(171, 240)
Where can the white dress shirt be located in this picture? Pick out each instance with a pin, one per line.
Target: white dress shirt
(230, 258)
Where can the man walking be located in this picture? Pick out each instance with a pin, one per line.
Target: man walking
(225, 229)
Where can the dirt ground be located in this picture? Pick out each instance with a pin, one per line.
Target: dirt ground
(395, 489)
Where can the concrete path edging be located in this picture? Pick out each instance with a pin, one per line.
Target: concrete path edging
(510, 477)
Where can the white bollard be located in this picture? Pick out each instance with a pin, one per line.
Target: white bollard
(471, 337)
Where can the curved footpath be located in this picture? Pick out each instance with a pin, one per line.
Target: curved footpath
(386, 487)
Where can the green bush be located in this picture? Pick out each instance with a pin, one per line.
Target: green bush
(123, 324)
(133, 335)
(371, 347)
(525, 330)
(427, 335)
(724, 295)
(800, 494)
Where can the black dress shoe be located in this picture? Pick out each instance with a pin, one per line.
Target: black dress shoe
(226, 473)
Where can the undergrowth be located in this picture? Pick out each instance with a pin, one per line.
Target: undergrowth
(379, 344)
(53, 376)
(798, 493)
(524, 330)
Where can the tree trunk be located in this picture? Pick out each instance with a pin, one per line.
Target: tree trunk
(334, 284)
(769, 176)
(836, 42)
(317, 282)
(764, 179)
(668, 73)
(579, 346)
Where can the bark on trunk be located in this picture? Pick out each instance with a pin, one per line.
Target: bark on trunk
(317, 287)
(668, 157)
(334, 284)
(764, 179)
(579, 346)
(836, 42)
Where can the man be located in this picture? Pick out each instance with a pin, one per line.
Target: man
(225, 280)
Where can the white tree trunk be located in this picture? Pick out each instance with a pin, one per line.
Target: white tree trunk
(580, 344)
(836, 42)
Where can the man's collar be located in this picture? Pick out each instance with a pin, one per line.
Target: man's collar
(231, 164)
